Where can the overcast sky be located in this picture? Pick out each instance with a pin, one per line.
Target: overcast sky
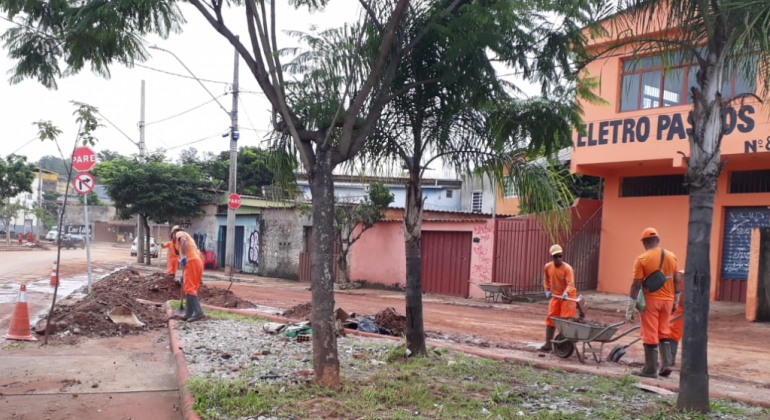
(203, 50)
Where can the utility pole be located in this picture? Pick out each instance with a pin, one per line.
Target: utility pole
(230, 240)
(39, 202)
(140, 226)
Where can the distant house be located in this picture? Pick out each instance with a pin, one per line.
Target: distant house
(439, 194)
(25, 220)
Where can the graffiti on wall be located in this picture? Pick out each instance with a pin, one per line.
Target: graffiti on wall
(254, 248)
(482, 267)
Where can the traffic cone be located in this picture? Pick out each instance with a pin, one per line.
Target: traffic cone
(53, 274)
(20, 319)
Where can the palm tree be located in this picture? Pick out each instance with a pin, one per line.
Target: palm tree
(719, 36)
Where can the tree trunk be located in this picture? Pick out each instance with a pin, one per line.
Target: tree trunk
(342, 265)
(326, 365)
(147, 239)
(415, 328)
(703, 168)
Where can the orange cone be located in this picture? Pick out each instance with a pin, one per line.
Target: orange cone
(53, 274)
(20, 319)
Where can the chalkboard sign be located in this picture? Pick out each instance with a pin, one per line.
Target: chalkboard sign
(736, 247)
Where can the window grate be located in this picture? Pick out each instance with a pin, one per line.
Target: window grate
(748, 182)
(653, 186)
(476, 201)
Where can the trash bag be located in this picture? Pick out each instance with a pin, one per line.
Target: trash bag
(366, 324)
(641, 304)
(295, 330)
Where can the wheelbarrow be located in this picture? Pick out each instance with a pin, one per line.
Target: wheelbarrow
(618, 352)
(571, 333)
(492, 291)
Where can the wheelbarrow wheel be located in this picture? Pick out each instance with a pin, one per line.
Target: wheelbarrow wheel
(616, 354)
(565, 349)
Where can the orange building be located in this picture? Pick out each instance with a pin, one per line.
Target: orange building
(635, 142)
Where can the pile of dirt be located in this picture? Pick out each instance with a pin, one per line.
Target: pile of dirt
(88, 316)
(392, 321)
(300, 312)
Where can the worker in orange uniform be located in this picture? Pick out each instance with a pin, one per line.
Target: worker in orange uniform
(172, 260)
(193, 265)
(655, 271)
(559, 284)
(677, 327)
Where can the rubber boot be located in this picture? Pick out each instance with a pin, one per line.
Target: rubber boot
(197, 309)
(674, 348)
(650, 369)
(188, 308)
(665, 358)
(549, 332)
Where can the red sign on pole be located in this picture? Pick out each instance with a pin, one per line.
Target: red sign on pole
(83, 159)
(234, 201)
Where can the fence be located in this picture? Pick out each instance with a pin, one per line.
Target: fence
(521, 247)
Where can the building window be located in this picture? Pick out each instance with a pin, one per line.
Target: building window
(653, 186)
(508, 190)
(476, 201)
(747, 182)
(449, 193)
(646, 84)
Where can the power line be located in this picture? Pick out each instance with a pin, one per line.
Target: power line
(116, 127)
(185, 112)
(198, 141)
(25, 144)
(193, 78)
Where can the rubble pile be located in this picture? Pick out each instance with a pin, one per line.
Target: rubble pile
(300, 312)
(391, 321)
(142, 295)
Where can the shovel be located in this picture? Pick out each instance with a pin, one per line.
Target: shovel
(618, 352)
(180, 311)
(581, 304)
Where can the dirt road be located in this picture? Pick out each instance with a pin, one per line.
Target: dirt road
(123, 378)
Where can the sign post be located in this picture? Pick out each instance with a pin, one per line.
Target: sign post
(84, 183)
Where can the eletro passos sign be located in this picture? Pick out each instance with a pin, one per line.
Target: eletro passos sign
(664, 127)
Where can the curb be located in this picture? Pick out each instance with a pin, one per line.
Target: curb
(515, 359)
(182, 373)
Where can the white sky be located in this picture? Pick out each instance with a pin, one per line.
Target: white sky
(201, 48)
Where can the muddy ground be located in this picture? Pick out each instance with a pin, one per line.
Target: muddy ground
(89, 316)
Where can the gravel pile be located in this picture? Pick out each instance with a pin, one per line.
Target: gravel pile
(228, 349)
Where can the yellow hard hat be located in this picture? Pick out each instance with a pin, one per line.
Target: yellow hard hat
(556, 249)
(176, 228)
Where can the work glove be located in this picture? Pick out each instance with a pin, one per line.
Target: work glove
(565, 295)
(630, 308)
(677, 298)
(181, 279)
(547, 294)
(184, 261)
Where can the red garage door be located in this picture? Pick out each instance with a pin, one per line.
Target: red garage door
(446, 262)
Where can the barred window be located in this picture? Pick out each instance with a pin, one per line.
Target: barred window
(652, 186)
(746, 182)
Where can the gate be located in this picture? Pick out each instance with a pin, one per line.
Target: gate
(222, 244)
(446, 262)
(736, 248)
(521, 251)
(304, 257)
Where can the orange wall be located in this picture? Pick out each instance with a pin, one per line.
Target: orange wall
(508, 206)
(623, 220)
(379, 257)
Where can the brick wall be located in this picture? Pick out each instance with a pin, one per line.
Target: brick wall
(282, 240)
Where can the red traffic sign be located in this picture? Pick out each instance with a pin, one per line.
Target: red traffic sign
(234, 201)
(83, 159)
(84, 183)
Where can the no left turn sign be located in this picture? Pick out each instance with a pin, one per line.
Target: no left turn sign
(84, 183)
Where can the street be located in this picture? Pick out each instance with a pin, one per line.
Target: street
(119, 378)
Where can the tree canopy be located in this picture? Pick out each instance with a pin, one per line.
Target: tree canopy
(16, 176)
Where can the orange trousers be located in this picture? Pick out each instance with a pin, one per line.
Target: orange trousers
(172, 262)
(655, 320)
(560, 308)
(193, 272)
(677, 327)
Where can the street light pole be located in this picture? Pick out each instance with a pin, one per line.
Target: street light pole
(140, 225)
(230, 241)
(232, 184)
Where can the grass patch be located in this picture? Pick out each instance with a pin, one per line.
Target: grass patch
(226, 315)
(447, 385)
